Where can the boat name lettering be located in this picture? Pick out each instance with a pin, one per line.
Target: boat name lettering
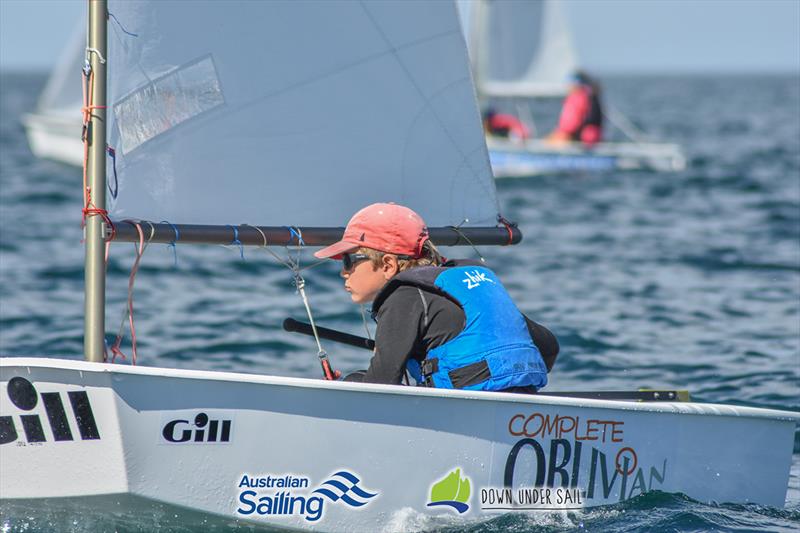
(559, 462)
(201, 430)
(293, 497)
(25, 397)
(559, 426)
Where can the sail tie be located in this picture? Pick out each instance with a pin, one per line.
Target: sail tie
(236, 241)
(95, 51)
(175, 240)
(509, 227)
(296, 233)
(111, 15)
(113, 153)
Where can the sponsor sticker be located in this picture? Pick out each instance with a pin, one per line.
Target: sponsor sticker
(197, 427)
(45, 417)
(562, 460)
(286, 495)
(530, 498)
(452, 491)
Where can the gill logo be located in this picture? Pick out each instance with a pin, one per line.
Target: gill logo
(475, 278)
(24, 396)
(202, 429)
(452, 490)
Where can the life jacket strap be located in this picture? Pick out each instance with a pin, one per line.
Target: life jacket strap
(470, 375)
(460, 377)
(428, 367)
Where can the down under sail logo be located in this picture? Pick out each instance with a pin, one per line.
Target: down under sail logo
(452, 491)
(287, 495)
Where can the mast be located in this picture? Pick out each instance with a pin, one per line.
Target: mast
(94, 262)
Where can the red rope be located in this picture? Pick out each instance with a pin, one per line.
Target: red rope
(509, 227)
(89, 209)
(115, 348)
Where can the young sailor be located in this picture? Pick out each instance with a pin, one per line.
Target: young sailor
(448, 324)
(504, 125)
(581, 113)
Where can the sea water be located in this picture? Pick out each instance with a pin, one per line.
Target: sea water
(685, 280)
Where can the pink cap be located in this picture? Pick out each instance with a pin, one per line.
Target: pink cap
(387, 228)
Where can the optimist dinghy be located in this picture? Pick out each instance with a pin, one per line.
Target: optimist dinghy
(232, 114)
(336, 456)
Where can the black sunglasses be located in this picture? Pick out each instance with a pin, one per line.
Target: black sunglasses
(349, 261)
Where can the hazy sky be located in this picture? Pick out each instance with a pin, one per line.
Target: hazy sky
(610, 35)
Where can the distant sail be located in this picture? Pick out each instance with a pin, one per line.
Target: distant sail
(62, 95)
(54, 127)
(519, 48)
(293, 113)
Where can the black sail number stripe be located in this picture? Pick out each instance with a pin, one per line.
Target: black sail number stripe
(83, 414)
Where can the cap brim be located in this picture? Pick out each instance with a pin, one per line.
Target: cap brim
(335, 250)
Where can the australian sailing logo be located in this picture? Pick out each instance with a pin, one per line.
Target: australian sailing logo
(202, 429)
(25, 397)
(287, 495)
(452, 491)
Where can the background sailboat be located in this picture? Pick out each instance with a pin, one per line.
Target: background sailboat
(522, 53)
(54, 128)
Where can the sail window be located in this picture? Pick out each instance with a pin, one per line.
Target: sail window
(166, 102)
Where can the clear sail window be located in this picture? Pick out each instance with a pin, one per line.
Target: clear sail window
(166, 102)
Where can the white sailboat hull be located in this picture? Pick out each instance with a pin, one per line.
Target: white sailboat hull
(514, 159)
(256, 448)
(55, 136)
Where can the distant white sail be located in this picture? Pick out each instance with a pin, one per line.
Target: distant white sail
(62, 95)
(299, 113)
(54, 127)
(519, 47)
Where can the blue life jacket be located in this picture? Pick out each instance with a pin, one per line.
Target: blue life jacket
(493, 352)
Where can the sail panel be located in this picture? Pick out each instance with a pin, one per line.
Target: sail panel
(293, 113)
(519, 47)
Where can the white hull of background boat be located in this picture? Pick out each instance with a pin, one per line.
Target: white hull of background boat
(55, 136)
(335, 456)
(512, 159)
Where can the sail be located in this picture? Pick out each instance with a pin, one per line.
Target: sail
(292, 113)
(519, 47)
(62, 95)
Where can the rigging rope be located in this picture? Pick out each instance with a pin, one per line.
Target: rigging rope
(461, 234)
(115, 19)
(509, 227)
(364, 320)
(128, 313)
(89, 209)
(300, 283)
